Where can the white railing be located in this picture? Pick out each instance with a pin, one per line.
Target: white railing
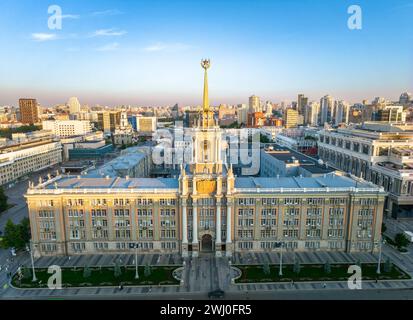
(305, 190)
(99, 191)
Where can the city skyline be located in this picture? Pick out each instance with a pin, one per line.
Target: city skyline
(109, 54)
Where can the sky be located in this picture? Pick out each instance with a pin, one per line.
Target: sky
(135, 52)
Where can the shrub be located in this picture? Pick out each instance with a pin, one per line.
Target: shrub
(327, 267)
(87, 272)
(147, 271)
(297, 267)
(266, 268)
(388, 266)
(117, 271)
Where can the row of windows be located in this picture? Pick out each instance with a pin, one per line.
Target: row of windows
(46, 214)
(202, 202)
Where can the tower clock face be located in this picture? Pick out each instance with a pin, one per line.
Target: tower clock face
(206, 186)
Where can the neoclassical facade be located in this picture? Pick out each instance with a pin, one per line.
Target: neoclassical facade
(207, 210)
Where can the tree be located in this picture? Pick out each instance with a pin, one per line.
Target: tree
(16, 235)
(3, 200)
(24, 227)
(297, 267)
(87, 272)
(401, 240)
(26, 272)
(147, 271)
(264, 139)
(266, 268)
(388, 266)
(117, 271)
(327, 267)
(383, 227)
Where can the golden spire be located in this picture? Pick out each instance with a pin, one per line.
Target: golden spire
(206, 63)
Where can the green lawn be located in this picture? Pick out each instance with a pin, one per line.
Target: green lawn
(314, 272)
(102, 277)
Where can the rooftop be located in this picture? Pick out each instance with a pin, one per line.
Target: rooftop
(83, 184)
(72, 182)
(289, 156)
(328, 181)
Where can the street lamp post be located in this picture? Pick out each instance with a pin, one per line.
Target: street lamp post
(280, 273)
(381, 242)
(31, 257)
(136, 262)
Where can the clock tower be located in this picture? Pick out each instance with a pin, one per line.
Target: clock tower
(205, 183)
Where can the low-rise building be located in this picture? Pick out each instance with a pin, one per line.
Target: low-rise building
(89, 150)
(68, 128)
(378, 152)
(22, 159)
(283, 162)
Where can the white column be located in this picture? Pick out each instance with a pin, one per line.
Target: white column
(229, 237)
(218, 227)
(184, 225)
(194, 224)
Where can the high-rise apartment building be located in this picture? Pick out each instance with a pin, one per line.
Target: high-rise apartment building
(29, 111)
(326, 109)
(254, 104)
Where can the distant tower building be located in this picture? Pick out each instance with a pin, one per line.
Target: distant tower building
(342, 112)
(327, 109)
(268, 108)
(29, 111)
(254, 104)
(74, 105)
(405, 98)
(175, 111)
(242, 114)
(302, 102)
(314, 113)
(290, 118)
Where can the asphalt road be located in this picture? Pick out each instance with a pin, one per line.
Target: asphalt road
(370, 294)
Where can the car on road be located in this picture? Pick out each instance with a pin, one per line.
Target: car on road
(409, 235)
(217, 294)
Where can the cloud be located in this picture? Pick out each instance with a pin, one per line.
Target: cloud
(108, 33)
(111, 12)
(69, 16)
(109, 47)
(41, 37)
(159, 46)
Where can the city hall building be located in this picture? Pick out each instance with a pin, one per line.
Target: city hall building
(207, 210)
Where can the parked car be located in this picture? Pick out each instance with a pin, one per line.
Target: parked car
(217, 294)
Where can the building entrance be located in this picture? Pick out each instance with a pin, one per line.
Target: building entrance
(206, 243)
